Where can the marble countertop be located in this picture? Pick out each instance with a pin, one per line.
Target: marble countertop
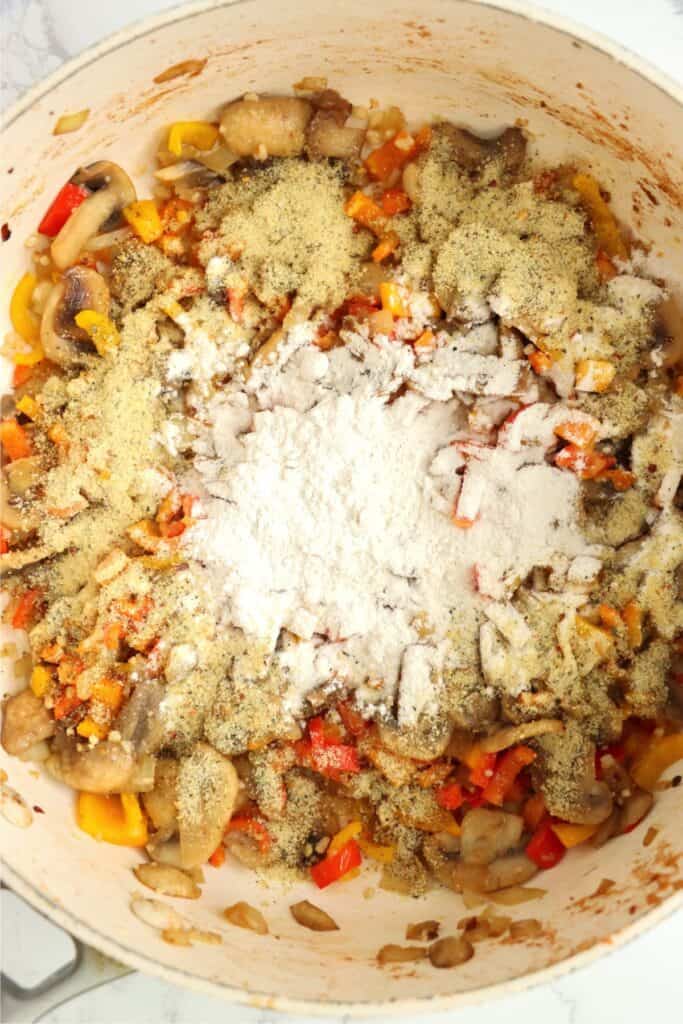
(642, 981)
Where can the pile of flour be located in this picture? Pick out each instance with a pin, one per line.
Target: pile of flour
(328, 511)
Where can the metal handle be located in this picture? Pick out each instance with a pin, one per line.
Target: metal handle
(86, 970)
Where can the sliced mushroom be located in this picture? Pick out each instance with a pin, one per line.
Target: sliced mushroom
(23, 474)
(514, 869)
(565, 770)
(327, 134)
(206, 794)
(106, 768)
(17, 520)
(25, 722)
(139, 722)
(488, 834)
(272, 125)
(112, 190)
(160, 802)
(81, 288)
(471, 151)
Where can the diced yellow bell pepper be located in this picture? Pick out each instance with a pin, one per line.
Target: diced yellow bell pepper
(572, 835)
(350, 831)
(112, 819)
(604, 223)
(29, 407)
(391, 299)
(99, 328)
(88, 727)
(144, 219)
(377, 852)
(594, 374)
(41, 677)
(109, 692)
(633, 619)
(660, 755)
(200, 134)
(24, 321)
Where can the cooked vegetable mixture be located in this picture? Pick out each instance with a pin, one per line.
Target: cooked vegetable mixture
(342, 506)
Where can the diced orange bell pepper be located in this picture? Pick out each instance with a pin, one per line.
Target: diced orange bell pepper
(143, 217)
(594, 375)
(387, 245)
(89, 727)
(534, 811)
(396, 153)
(620, 479)
(24, 613)
(482, 766)
(540, 362)
(585, 463)
(108, 692)
(217, 858)
(577, 432)
(112, 819)
(392, 300)
(609, 616)
(28, 406)
(661, 753)
(20, 375)
(605, 267)
(377, 852)
(395, 201)
(633, 619)
(599, 637)
(14, 440)
(603, 220)
(425, 342)
(572, 835)
(365, 211)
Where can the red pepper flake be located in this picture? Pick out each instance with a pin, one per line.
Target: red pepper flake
(38, 810)
(6, 232)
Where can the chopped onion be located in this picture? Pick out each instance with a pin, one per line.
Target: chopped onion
(185, 67)
(245, 916)
(528, 928)
(392, 954)
(309, 916)
(519, 733)
(515, 895)
(71, 122)
(108, 239)
(174, 172)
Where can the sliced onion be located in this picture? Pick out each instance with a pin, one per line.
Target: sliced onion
(528, 928)
(391, 954)
(513, 734)
(174, 172)
(185, 67)
(515, 895)
(108, 239)
(71, 122)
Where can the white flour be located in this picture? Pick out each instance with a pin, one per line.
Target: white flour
(326, 517)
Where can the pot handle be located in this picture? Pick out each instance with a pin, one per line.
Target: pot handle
(86, 969)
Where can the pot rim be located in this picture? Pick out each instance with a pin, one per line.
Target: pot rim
(138, 961)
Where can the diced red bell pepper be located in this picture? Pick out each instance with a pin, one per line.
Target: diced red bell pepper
(252, 827)
(338, 864)
(482, 767)
(354, 723)
(361, 306)
(507, 769)
(24, 613)
(67, 702)
(4, 541)
(544, 848)
(68, 198)
(217, 858)
(450, 796)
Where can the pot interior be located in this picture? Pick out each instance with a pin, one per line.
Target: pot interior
(483, 67)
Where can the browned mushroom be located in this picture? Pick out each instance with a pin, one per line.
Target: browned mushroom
(80, 288)
(487, 834)
(327, 134)
(107, 768)
(267, 126)
(565, 770)
(25, 722)
(206, 794)
(112, 190)
(472, 151)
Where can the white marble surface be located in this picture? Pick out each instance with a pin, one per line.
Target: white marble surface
(643, 981)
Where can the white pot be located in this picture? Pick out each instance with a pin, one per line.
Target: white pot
(482, 65)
